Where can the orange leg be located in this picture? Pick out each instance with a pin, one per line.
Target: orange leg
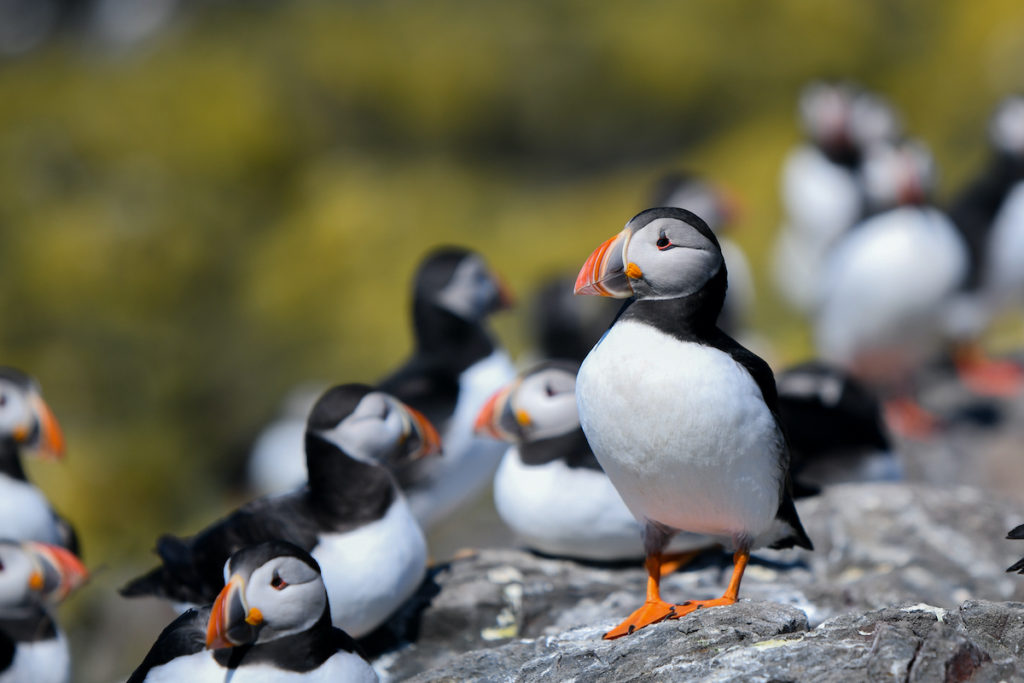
(673, 562)
(653, 610)
(986, 376)
(906, 417)
(739, 560)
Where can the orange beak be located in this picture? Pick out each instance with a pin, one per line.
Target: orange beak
(51, 438)
(604, 273)
(429, 438)
(488, 419)
(231, 621)
(58, 571)
(506, 299)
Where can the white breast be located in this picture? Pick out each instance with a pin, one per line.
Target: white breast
(45, 661)
(468, 462)
(682, 431)
(201, 668)
(1005, 277)
(25, 514)
(278, 460)
(370, 571)
(570, 512)
(887, 285)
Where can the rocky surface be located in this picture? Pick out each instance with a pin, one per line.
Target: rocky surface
(907, 582)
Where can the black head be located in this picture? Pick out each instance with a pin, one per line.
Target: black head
(458, 280)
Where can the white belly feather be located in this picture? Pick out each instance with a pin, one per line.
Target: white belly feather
(571, 512)
(682, 431)
(343, 667)
(44, 661)
(369, 572)
(25, 513)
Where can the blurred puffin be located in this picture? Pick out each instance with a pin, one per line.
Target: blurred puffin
(822, 193)
(455, 367)
(687, 191)
(34, 576)
(834, 428)
(990, 214)
(26, 421)
(1016, 534)
(887, 285)
(682, 418)
(350, 516)
(549, 457)
(270, 622)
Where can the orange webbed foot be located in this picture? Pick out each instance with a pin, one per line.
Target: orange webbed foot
(651, 612)
(693, 605)
(989, 377)
(907, 418)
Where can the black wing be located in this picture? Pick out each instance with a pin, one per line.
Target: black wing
(765, 380)
(193, 568)
(1016, 534)
(186, 635)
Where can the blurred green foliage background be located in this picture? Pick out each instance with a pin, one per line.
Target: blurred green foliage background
(192, 225)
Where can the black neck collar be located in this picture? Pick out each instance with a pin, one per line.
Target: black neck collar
(33, 625)
(442, 334)
(344, 492)
(10, 459)
(571, 447)
(689, 318)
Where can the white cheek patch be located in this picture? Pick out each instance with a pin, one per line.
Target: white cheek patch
(469, 291)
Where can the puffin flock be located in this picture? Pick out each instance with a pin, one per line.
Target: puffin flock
(643, 429)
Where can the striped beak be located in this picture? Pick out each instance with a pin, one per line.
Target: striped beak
(50, 440)
(604, 273)
(420, 432)
(56, 571)
(489, 419)
(231, 622)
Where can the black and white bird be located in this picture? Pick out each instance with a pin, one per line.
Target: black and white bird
(270, 622)
(454, 368)
(822, 189)
(550, 489)
(718, 209)
(350, 516)
(990, 215)
(33, 577)
(26, 421)
(834, 427)
(682, 418)
(887, 285)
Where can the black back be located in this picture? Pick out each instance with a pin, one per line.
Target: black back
(343, 494)
(571, 447)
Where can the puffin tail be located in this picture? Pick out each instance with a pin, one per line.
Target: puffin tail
(798, 537)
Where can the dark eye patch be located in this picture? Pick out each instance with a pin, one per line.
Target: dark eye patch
(663, 243)
(277, 583)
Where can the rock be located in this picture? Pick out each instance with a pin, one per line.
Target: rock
(906, 581)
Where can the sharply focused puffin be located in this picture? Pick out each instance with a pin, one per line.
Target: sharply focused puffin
(34, 576)
(454, 368)
(350, 516)
(681, 417)
(270, 622)
(26, 421)
(887, 285)
(549, 457)
(688, 191)
(822, 191)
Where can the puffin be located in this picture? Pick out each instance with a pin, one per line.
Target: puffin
(990, 214)
(270, 622)
(34, 577)
(548, 455)
(834, 428)
(681, 417)
(350, 515)
(822, 189)
(887, 285)
(564, 326)
(26, 421)
(454, 368)
(718, 208)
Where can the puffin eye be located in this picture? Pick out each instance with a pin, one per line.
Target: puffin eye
(277, 583)
(663, 243)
